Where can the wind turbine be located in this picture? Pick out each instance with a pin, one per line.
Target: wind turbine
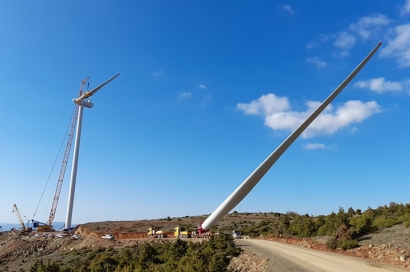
(81, 101)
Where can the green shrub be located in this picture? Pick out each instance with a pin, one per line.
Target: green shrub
(50, 266)
(211, 255)
(332, 243)
(384, 221)
(347, 244)
(363, 224)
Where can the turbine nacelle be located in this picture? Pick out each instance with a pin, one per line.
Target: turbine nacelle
(84, 103)
(80, 100)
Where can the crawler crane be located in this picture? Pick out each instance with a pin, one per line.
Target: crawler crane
(23, 228)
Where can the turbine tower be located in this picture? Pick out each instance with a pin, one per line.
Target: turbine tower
(81, 101)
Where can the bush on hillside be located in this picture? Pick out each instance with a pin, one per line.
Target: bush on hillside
(347, 244)
(211, 255)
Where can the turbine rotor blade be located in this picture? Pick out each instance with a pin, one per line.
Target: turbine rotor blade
(240, 193)
(93, 91)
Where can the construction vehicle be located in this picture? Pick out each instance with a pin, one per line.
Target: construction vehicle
(198, 234)
(42, 227)
(181, 232)
(47, 227)
(155, 233)
(23, 229)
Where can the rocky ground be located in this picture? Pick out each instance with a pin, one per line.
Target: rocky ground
(391, 245)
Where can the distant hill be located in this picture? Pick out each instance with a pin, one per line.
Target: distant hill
(9, 226)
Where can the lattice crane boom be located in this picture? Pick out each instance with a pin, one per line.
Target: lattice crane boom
(17, 212)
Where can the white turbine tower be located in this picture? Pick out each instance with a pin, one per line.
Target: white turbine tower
(81, 101)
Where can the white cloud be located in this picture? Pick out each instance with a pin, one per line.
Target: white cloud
(354, 130)
(206, 100)
(369, 25)
(380, 85)
(185, 95)
(311, 45)
(399, 45)
(325, 38)
(406, 84)
(265, 105)
(202, 86)
(366, 28)
(278, 116)
(345, 40)
(344, 54)
(406, 8)
(341, 54)
(316, 61)
(289, 9)
(311, 146)
(158, 73)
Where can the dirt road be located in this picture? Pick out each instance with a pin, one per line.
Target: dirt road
(285, 257)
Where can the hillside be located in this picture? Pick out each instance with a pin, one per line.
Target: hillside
(390, 244)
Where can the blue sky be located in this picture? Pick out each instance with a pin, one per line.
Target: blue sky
(207, 91)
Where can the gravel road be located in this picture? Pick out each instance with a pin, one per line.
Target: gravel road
(285, 257)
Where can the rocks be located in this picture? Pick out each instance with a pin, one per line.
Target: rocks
(248, 262)
(402, 258)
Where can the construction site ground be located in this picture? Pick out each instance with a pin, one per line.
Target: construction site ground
(390, 245)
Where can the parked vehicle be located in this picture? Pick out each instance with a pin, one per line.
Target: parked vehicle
(236, 234)
(155, 233)
(181, 232)
(108, 236)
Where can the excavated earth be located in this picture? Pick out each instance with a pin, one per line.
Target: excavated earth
(18, 253)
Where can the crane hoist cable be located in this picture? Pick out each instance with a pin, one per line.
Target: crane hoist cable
(55, 162)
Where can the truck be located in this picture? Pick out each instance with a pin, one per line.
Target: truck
(181, 232)
(153, 232)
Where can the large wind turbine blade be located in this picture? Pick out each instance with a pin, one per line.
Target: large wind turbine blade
(93, 91)
(239, 194)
